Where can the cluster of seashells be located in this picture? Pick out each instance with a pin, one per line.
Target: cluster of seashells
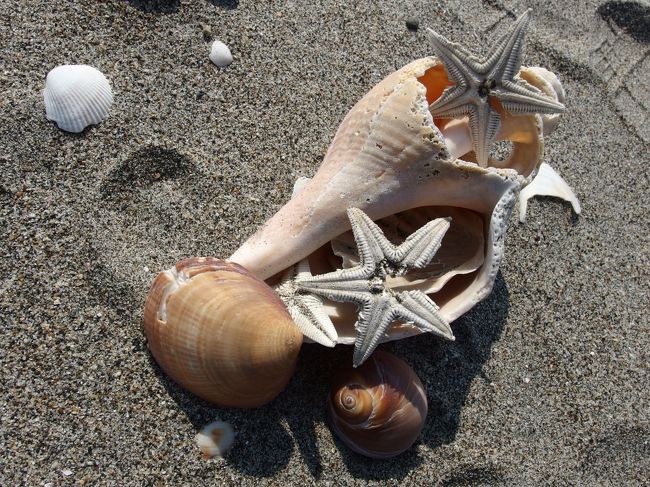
(400, 231)
(77, 96)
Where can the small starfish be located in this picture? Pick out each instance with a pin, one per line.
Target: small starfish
(365, 284)
(480, 83)
(306, 309)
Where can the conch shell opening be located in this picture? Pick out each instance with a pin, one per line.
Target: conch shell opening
(525, 132)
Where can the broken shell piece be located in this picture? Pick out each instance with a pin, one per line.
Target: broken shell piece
(220, 54)
(547, 183)
(76, 96)
(215, 439)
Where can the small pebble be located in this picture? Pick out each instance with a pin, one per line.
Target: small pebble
(412, 24)
(220, 54)
(66, 472)
(206, 31)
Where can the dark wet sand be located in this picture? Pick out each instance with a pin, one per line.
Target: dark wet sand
(547, 381)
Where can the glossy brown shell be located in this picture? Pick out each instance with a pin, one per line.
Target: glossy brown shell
(221, 333)
(379, 408)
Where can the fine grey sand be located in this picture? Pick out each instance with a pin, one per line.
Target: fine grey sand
(547, 381)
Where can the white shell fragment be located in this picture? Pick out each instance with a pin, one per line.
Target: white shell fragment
(215, 439)
(547, 183)
(76, 96)
(220, 54)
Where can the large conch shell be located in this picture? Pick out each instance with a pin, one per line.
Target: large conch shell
(392, 161)
(220, 332)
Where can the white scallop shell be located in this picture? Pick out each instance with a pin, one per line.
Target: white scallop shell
(76, 96)
(220, 54)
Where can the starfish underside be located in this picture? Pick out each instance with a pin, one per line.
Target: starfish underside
(365, 284)
(306, 309)
(481, 86)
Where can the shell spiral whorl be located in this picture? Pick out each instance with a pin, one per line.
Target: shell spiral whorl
(379, 408)
(354, 403)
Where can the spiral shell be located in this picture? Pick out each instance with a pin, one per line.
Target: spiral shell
(221, 333)
(379, 408)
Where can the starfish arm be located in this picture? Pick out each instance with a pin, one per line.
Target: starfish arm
(505, 61)
(420, 247)
(484, 125)
(521, 98)
(306, 310)
(374, 320)
(417, 308)
(461, 66)
(368, 237)
(454, 107)
(311, 319)
(337, 289)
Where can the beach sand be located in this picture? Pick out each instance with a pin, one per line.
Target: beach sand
(547, 381)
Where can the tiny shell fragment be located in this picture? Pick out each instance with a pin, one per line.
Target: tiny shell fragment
(220, 54)
(215, 439)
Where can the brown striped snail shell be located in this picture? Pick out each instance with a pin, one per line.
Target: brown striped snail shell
(379, 408)
(221, 333)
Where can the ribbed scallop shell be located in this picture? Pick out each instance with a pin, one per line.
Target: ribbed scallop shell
(379, 408)
(221, 333)
(76, 96)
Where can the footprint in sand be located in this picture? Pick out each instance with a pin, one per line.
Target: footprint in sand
(623, 61)
(147, 212)
(621, 453)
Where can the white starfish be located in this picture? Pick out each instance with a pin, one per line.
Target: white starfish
(365, 284)
(306, 309)
(480, 83)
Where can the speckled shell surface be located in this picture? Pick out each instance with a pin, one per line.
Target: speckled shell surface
(76, 96)
(221, 333)
(388, 157)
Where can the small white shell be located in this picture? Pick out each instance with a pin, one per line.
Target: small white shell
(220, 54)
(76, 96)
(215, 439)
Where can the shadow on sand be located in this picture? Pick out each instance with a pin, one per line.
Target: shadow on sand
(632, 17)
(156, 6)
(172, 6)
